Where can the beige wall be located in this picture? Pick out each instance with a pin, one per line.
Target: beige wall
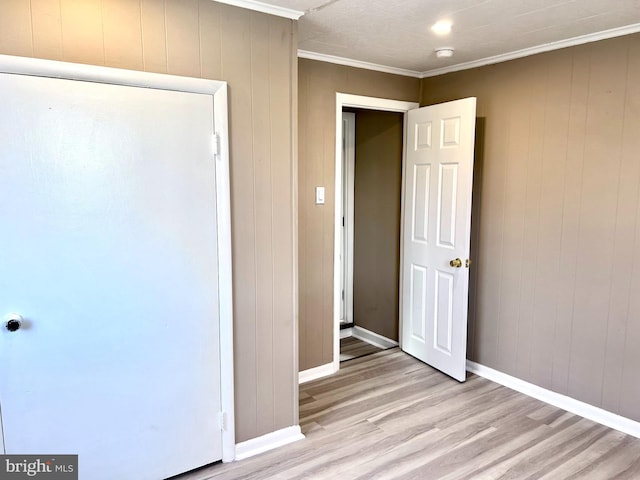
(255, 53)
(556, 235)
(558, 249)
(376, 257)
(318, 84)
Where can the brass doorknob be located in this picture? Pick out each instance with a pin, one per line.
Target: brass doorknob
(456, 263)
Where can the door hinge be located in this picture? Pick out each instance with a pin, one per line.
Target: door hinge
(215, 143)
(222, 420)
(343, 221)
(342, 294)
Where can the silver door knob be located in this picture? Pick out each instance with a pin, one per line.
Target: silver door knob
(13, 322)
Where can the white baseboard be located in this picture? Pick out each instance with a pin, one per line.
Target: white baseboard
(346, 332)
(373, 338)
(597, 414)
(268, 442)
(317, 372)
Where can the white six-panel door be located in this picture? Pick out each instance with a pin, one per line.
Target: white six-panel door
(436, 234)
(109, 251)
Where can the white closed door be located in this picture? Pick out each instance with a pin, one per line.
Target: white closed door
(436, 234)
(108, 251)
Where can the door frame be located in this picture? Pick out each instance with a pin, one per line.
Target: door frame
(370, 103)
(220, 149)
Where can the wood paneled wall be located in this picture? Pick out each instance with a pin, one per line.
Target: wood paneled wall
(376, 249)
(256, 54)
(558, 234)
(318, 84)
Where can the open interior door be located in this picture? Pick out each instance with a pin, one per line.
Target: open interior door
(436, 234)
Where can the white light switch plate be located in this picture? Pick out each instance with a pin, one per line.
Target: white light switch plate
(319, 195)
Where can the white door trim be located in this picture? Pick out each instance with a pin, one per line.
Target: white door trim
(371, 103)
(218, 92)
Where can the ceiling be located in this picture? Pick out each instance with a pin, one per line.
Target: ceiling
(397, 33)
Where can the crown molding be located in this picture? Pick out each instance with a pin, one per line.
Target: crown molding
(525, 52)
(547, 47)
(322, 57)
(264, 8)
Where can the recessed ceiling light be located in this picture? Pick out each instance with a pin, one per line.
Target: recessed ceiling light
(442, 27)
(444, 52)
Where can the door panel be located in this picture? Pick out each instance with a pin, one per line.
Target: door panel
(109, 197)
(420, 228)
(423, 135)
(444, 312)
(447, 202)
(418, 301)
(436, 231)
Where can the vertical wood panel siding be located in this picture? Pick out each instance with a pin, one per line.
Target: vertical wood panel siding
(558, 262)
(255, 53)
(318, 84)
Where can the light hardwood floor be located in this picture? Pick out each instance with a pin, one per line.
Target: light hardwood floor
(389, 416)
(352, 347)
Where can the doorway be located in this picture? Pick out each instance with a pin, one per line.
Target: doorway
(365, 314)
(372, 146)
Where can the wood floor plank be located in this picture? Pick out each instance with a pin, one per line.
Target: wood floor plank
(629, 473)
(530, 458)
(574, 467)
(388, 416)
(616, 461)
(352, 347)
